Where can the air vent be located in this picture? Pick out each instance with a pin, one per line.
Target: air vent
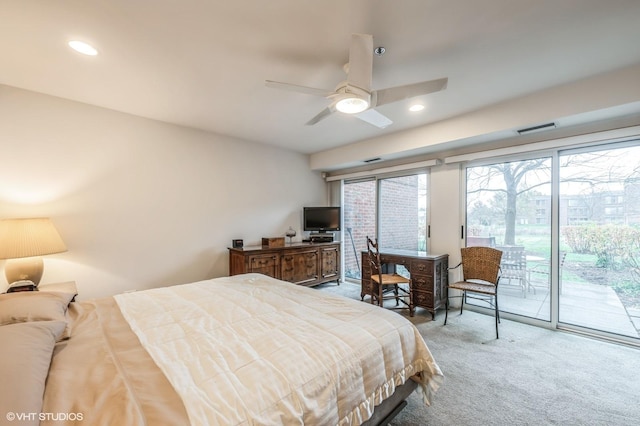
(538, 128)
(373, 160)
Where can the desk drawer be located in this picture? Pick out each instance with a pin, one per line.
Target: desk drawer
(422, 282)
(422, 267)
(423, 299)
(393, 259)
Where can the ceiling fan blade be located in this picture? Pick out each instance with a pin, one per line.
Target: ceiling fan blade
(299, 89)
(372, 116)
(359, 71)
(394, 94)
(322, 114)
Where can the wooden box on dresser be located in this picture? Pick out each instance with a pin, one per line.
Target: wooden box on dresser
(306, 264)
(429, 277)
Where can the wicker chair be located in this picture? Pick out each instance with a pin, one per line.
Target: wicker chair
(480, 276)
(386, 286)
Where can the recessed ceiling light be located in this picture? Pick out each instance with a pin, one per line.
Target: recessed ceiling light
(83, 48)
(416, 108)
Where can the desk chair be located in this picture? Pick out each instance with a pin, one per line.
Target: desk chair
(480, 276)
(388, 286)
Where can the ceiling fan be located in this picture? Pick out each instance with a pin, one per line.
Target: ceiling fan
(354, 95)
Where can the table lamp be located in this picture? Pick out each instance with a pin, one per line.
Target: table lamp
(22, 241)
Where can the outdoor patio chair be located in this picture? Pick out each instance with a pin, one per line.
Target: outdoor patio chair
(514, 267)
(544, 269)
(480, 277)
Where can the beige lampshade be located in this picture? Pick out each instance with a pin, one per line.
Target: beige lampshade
(27, 238)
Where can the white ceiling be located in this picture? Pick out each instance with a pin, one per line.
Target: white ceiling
(202, 63)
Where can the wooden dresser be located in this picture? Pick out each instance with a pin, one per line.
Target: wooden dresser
(428, 272)
(306, 264)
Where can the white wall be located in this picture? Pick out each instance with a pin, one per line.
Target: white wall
(444, 211)
(445, 215)
(141, 203)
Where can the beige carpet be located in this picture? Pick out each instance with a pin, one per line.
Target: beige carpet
(530, 376)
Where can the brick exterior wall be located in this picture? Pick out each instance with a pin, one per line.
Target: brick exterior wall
(399, 213)
(401, 222)
(359, 212)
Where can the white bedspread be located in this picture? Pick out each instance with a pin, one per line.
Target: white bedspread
(252, 350)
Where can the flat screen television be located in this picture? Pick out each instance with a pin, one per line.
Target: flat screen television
(321, 219)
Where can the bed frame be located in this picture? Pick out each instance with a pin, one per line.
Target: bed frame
(391, 406)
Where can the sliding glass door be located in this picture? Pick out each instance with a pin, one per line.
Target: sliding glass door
(402, 219)
(509, 208)
(359, 218)
(600, 239)
(570, 222)
(390, 208)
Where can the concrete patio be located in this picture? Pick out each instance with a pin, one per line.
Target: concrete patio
(582, 304)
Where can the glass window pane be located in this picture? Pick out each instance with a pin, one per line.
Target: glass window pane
(403, 213)
(599, 218)
(509, 207)
(400, 206)
(359, 216)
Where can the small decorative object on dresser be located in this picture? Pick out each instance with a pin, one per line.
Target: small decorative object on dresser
(237, 243)
(273, 242)
(290, 233)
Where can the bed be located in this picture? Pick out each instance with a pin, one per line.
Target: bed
(241, 350)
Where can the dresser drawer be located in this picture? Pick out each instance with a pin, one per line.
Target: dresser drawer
(299, 267)
(264, 264)
(259, 262)
(299, 263)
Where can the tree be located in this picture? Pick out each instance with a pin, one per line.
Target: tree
(593, 172)
(510, 179)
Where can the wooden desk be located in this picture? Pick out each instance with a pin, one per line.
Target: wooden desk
(429, 277)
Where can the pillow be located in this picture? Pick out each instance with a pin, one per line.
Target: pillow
(26, 306)
(26, 355)
(66, 287)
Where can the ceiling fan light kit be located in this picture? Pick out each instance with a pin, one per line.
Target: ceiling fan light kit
(352, 105)
(355, 96)
(82, 47)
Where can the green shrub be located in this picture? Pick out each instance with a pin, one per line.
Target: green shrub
(613, 245)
